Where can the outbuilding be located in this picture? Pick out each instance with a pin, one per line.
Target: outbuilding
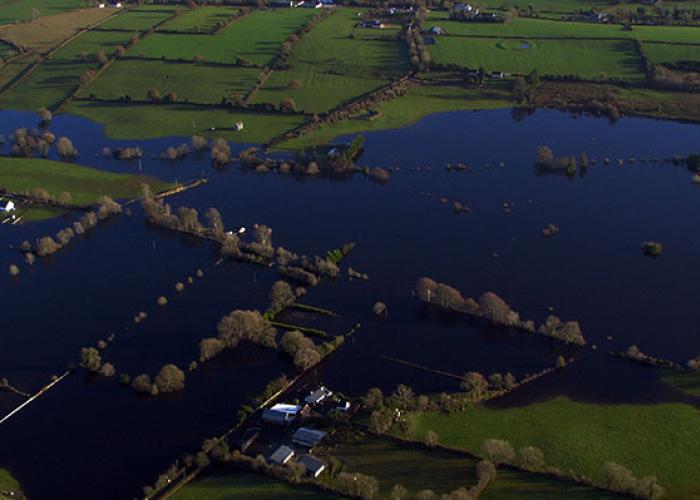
(308, 438)
(280, 414)
(8, 206)
(314, 467)
(315, 397)
(281, 455)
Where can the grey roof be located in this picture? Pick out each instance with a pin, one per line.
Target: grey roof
(319, 394)
(281, 455)
(313, 465)
(308, 437)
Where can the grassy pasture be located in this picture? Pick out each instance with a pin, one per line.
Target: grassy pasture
(659, 53)
(140, 19)
(12, 11)
(543, 28)
(321, 91)
(688, 383)
(151, 121)
(243, 486)
(559, 6)
(6, 50)
(10, 70)
(587, 59)
(49, 84)
(408, 109)
(93, 42)
(201, 20)
(198, 83)
(18, 175)
(582, 437)
(329, 45)
(257, 37)
(47, 32)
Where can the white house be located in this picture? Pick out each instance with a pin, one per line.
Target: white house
(465, 8)
(238, 126)
(8, 207)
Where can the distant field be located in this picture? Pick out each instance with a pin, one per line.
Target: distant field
(407, 109)
(18, 175)
(93, 42)
(244, 486)
(663, 53)
(587, 59)
(515, 485)
(49, 84)
(329, 44)
(140, 19)
(198, 83)
(12, 11)
(321, 90)
(47, 32)
(200, 20)
(257, 37)
(542, 28)
(583, 437)
(150, 121)
(547, 5)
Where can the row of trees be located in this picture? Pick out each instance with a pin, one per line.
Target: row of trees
(495, 310)
(30, 142)
(169, 378)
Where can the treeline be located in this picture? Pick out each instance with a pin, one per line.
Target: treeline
(495, 310)
(27, 143)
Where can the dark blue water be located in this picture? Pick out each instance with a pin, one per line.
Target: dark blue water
(593, 272)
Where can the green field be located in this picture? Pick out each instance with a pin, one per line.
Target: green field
(515, 485)
(11, 70)
(201, 20)
(135, 77)
(660, 440)
(321, 91)
(587, 59)
(20, 175)
(49, 84)
(7, 482)
(6, 50)
(405, 110)
(91, 43)
(12, 11)
(257, 38)
(543, 28)
(688, 382)
(659, 53)
(140, 19)
(243, 486)
(560, 6)
(150, 121)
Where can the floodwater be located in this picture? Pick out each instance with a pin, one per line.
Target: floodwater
(91, 438)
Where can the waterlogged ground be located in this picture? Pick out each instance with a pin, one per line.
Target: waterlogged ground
(593, 271)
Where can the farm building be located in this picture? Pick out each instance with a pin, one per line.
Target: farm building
(466, 9)
(314, 467)
(436, 30)
(281, 455)
(280, 414)
(8, 206)
(372, 24)
(315, 397)
(247, 439)
(307, 437)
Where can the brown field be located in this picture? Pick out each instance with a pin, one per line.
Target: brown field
(46, 32)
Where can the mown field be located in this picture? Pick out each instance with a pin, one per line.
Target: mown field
(257, 38)
(559, 6)
(12, 11)
(660, 440)
(588, 59)
(48, 85)
(197, 83)
(659, 53)
(89, 44)
(543, 28)
(85, 184)
(150, 121)
(201, 20)
(244, 486)
(140, 19)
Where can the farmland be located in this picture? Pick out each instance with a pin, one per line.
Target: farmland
(582, 437)
(139, 19)
(135, 78)
(588, 59)
(12, 11)
(203, 20)
(89, 44)
(257, 38)
(84, 184)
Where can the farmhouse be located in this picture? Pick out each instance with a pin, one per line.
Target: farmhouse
(465, 9)
(281, 455)
(436, 30)
(373, 24)
(8, 206)
(315, 397)
(238, 126)
(307, 437)
(314, 467)
(595, 17)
